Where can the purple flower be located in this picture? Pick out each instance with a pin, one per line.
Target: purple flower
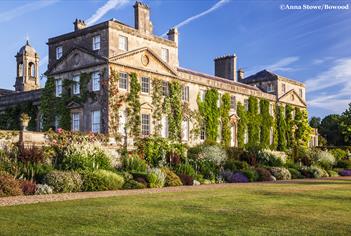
(345, 172)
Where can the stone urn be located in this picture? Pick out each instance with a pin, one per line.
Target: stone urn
(25, 118)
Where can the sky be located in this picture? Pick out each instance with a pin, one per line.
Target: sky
(311, 46)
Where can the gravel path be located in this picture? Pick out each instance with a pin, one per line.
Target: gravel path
(19, 200)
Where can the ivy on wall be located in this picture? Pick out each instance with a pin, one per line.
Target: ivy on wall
(254, 122)
(157, 106)
(242, 125)
(290, 137)
(210, 113)
(194, 117)
(134, 107)
(225, 119)
(48, 104)
(281, 127)
(303, 130)
(266, 124)
(173, 107)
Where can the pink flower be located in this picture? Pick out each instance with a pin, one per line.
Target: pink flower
(54, 141)
(59, 130)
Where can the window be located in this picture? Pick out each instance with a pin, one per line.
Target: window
(76, 85)
(75, 121)
(123, 43)
(185, 93)
(270, 88)
(145, 124)
(246, 104)
(58, 87)
(185, 130)
(165, 54)
(271, 109)
(283, 88)
(56, 122)
(58, 52)
(164, 131)
(96, 42)
(123, 81)
(246, 136)
(96, 81)
(165, 88)
(202, 95)
(20, 70)
(31, 70)
(301, 93)
(145, 85)
(95, 121)
(202, 133)
(122, 122)
(233, 102)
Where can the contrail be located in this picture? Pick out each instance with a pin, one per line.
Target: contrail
(109, 5)
(192, 18)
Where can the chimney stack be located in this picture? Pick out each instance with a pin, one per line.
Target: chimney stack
(241, 74)
(225, 67)
(142, 18)
(79, 24)
(173, 35)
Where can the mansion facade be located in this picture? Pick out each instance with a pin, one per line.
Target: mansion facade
(113, 46)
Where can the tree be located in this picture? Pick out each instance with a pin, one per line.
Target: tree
(315, 122)
(345, 125)
(330, 130)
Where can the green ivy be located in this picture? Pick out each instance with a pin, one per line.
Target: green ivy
(303, 131)
(242, 124)
(253, 124)
(173, 106)
(266, 124)
(157, 106)
(48, 104)
(115, 102)
(281, 127)
(225, 119)
(134, 107)
(290, 139)
(211, 114)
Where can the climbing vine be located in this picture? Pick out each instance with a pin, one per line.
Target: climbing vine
(290, 139)
(173, 107)
(266, 124)
(134, 107)
(157, 106)
(210, 113)
(242, 124)
(303, 129)
(48, 104)
(225, 119)
(253, 124)
(281, 127)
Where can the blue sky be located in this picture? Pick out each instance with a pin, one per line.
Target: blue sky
(312, 46)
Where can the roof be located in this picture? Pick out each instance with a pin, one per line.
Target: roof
(217, 78)
(5, 91)
(27, 48)
(265, 75)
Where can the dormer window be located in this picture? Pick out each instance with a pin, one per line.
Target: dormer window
(123, 43)
(59, 51)
(165, 54)
(270, 88)
(96, 42)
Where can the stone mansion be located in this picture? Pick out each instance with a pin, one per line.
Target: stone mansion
(109, 46)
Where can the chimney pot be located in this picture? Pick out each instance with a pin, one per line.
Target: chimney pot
(79, 24)
(225, 67)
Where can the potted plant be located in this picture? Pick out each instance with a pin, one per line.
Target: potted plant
(24, 118)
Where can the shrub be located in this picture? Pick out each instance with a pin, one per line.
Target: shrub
(156, 178)
(42, 189)
(237, 177)
(64, 181)
(141, 180)
(313, 172)
(186, 179)
(345, 172)
(332, 173)
(234, 153)
(234, 165)
(207, 169)
(28, 187)
(212, 153)
(324, 159)
(344, 164)
(101, 180)
(132, 184)
(271, 158)
(249, 156)
(134, 163)
(338, 153)
(280, 173)
(250, 174)
(263, 174)
(295, 174)
(85, 156)
(185, 169)
(9, 186)
(171, 178)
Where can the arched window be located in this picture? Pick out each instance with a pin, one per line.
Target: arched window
(32, 69)
(20, 70)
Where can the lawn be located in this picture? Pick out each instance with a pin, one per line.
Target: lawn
(313, 208)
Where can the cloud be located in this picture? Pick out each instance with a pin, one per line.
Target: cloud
(109, 5)
(192, 18)
(321, 86)
(26, 8)
(281, 65)
(321, 61)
